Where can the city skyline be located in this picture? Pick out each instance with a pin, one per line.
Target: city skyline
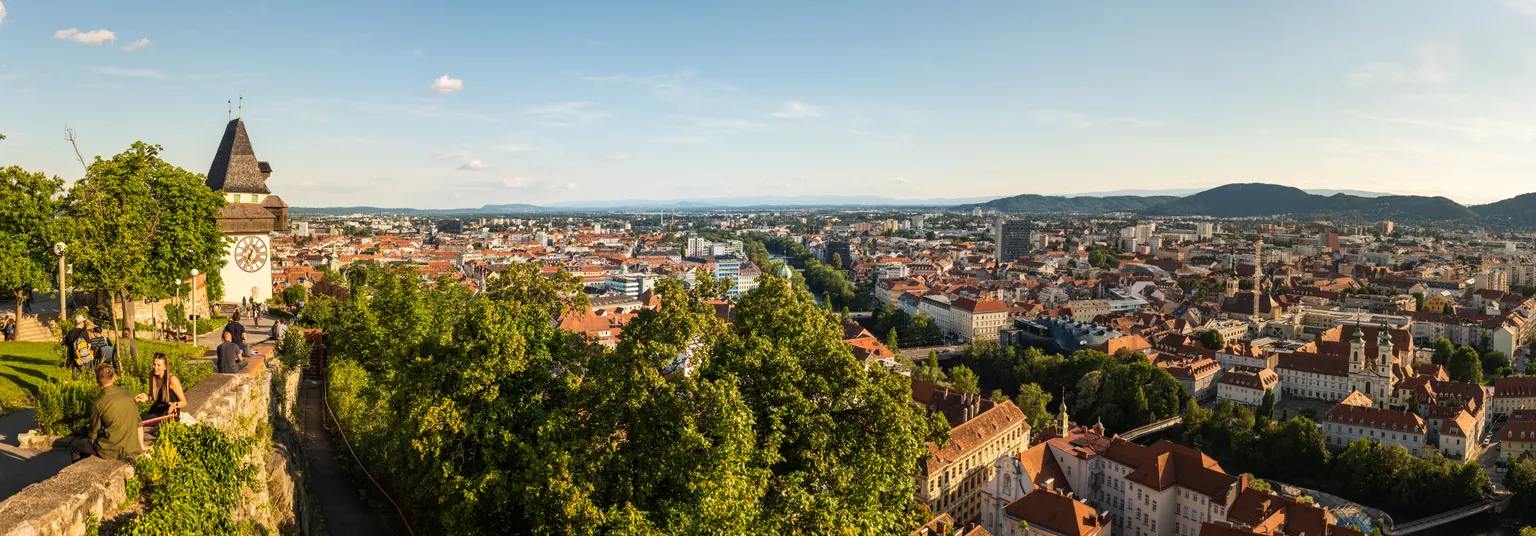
(461, 105)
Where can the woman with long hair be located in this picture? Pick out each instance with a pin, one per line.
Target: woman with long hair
(166, 389)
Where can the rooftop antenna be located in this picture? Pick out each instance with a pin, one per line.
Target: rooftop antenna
(242, 107)
(229, 109)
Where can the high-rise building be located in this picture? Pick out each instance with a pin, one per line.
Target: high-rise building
(1386, 227)
(1204, 230)
(1012, 239)
(1333, 241)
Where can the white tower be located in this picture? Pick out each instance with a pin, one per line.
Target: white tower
(249, 218)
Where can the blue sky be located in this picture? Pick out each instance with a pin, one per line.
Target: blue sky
(561, 101)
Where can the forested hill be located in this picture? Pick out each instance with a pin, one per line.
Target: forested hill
(1253, 199)
(1260, 200)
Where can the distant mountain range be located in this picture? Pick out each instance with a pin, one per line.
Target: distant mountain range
(707, 203)
(1259, 200)
(1228, 201)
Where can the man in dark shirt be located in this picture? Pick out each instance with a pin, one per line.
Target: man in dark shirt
(74, 359)
(237, 330)
(229, 361)
(116, 431)
(102, 346)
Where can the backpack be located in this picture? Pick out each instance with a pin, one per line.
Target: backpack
(83, 353)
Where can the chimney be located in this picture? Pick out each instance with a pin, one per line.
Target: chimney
(1242, 483)
(1050, 484)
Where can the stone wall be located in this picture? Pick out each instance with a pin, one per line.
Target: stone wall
(242, 405)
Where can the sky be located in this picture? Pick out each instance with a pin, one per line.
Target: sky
(459, 104)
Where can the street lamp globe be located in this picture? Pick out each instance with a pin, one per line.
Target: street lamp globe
(194, 272)
(58, 248)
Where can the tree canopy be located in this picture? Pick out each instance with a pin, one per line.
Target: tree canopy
(489, 419)
(29, 226)
(141, 225)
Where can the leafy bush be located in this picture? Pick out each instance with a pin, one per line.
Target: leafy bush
(193, 483)
(294, 349)
(63, 408)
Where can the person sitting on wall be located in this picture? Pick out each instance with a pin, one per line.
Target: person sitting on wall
(166, 389)
(116, 432)
(229, 360)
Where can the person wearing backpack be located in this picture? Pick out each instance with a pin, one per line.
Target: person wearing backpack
(77, 346)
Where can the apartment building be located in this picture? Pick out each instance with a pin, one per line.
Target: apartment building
(1516, 439)
(954, 479)
(1355, 418)
(1513, 393)
(974, 320)
(1247, 385)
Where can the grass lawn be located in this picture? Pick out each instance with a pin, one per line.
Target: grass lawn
(25, 366)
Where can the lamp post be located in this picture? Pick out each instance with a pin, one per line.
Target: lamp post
(194, 306)
(58, 249)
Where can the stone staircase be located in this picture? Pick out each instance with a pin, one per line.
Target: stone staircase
(316, 368)
(30, 328)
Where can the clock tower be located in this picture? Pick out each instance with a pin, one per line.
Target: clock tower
(248, 219)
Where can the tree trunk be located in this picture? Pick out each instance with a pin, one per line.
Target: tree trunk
(21, 297)
(111, 313)
(130, 316)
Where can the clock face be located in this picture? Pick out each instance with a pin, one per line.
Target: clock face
(250, 253)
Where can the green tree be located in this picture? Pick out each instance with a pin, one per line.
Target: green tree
(293, 295)
(1443, 350)
(1521, 481)
(29, 225)
(1465, 366)
(890, 340)
(1494, 360)
(964, 380)
(141, 225)
(1266, 413)
(1413, 402)
(1032, 401)
(930, 370)
(837, 261)
(1213, 340)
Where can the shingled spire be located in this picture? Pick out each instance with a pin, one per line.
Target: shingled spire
(235, 168)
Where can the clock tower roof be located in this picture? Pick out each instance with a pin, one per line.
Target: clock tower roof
(235, 169)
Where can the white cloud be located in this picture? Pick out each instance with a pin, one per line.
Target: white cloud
(903, 180)
(474, 165)
(561, 186)
(1477, 129)
(680, 87)
(1079, 120)
(1527, 7)
(446, 85)
(727, 125)
(130, 73)
(517, 182)
(137, 45)
(567, 114)
(516, 148)
(2, 12)
(798, 110)
(618, 157)
(1432, 65)
(450, 156)
(93, 37)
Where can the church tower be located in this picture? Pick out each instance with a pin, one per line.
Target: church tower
(248, 219)
(1357, 352)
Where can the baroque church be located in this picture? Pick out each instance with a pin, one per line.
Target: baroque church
(250, 217)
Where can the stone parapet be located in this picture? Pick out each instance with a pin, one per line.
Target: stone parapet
(241, 405)
(90, 490)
